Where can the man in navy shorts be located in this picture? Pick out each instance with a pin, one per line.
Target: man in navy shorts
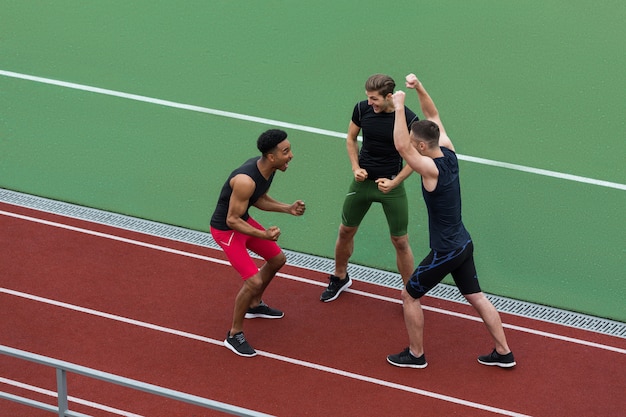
(236, 232)
(428, 150)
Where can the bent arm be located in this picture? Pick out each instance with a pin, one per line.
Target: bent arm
(267, 203)
(421, 164)
(429, 109)
(243, 187)
(352, 146)
(404, 173)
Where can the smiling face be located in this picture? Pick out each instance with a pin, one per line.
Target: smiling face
(379, 103)
(281, 155)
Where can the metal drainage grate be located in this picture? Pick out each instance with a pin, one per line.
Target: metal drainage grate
(312, 262)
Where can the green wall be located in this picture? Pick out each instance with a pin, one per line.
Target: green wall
(534, 83)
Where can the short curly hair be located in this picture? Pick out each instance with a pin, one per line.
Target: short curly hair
(269, 139)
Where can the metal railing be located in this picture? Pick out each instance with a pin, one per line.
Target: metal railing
(62, 368)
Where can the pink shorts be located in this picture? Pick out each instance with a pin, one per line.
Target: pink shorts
(236, 244)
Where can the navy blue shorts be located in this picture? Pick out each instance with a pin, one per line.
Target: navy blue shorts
(435, 267)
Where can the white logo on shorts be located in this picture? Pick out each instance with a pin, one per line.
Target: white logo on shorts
(229, 240)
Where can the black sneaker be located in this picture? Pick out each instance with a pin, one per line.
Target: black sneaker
(238, 344)
(335, 287)
(263, 311)
(405, 359)
(495, 359)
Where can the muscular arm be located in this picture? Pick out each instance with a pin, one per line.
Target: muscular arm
(429, 109)
(267, 203)
(385, 185)
(419, 163)
(352, 145)
(243, 186)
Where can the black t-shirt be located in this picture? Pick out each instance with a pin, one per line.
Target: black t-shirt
(218, 220)
(378, 155)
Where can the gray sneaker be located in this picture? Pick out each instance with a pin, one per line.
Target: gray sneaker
(238, 344)
(335, 287)
(263, 311)
(405, 359)
(495, 359)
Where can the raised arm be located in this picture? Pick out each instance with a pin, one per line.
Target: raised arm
(429, 109)
(421, 164)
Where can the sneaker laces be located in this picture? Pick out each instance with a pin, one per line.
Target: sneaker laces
(240, 338)
(406, 353)
(335, 283)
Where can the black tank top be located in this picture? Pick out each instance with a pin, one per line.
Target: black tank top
(445, 225)
(249, 168)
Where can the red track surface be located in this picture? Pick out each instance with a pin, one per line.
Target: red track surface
(342, 344)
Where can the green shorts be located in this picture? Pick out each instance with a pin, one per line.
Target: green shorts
(360, 197)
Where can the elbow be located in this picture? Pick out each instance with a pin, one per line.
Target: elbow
(402, 148)
(230, 222)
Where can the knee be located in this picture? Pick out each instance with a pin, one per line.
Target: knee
(408, 298)
(346, 233)
(401, 243)
(479, 301)
(278, 261)
(254, 284)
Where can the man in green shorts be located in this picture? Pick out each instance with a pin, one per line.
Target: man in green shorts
(378, 178)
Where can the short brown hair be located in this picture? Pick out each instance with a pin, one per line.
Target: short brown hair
(427, 131)
(381, 83)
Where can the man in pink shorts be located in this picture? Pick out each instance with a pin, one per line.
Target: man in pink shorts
(236, 232)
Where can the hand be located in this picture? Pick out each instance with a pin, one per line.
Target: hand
(360, 174)
(398, 99)
(412, 81)
(385, 185)
(272, 233)
(298, 208)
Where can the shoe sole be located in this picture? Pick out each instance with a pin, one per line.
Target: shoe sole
(262, 316)
(339, 291)
(231, 347)
(501, 365)
(402, 365)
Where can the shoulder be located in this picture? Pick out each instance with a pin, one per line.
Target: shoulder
(449, 161)
(360, 109)
(447, 151)
(243, 186)
(410, 115)
(241, 180)
(448, 154)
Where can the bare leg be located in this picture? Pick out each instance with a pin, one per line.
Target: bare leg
(404, 257)
(252, 290)
(343, 249)
(414, 322)
(492, 320)
(267, 274)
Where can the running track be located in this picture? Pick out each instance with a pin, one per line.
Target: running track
(157, 310)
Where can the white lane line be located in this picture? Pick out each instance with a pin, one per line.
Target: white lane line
(293, 126)
(304, 280)
(173, 104)
(76, 400)
(270, 355)
(543, 172)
